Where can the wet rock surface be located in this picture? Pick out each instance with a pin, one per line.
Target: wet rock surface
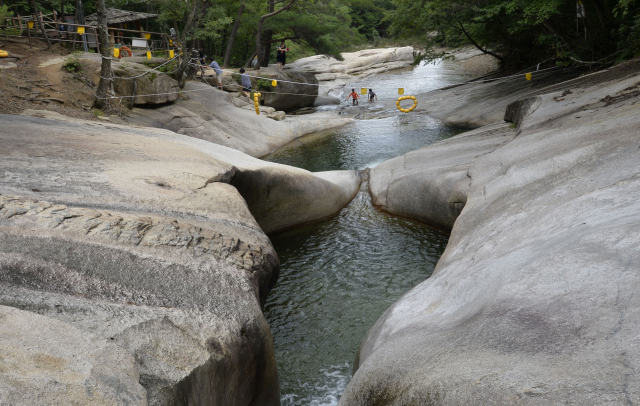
(534, 300)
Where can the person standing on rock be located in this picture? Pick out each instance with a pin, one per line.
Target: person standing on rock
(282, 55)
(355, 97)
(246, 83)
(372, 95)
(216, 67)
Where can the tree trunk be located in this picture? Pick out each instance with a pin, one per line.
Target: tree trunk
(41, 24)
(268, 37)
(500, 58)
(186, 55)
(232, 38)
(105, 87)
(259, 34)
(248, 63)
(77, 16)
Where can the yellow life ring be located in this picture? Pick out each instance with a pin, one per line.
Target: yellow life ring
(410, 109)
(3, 54)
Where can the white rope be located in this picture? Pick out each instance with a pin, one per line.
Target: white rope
(297, 94)
(142, 74)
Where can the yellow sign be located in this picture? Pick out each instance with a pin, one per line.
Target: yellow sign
(363, 91)
(410, 109)
(30, 24)
(171, 54)
(528, 76)
(147, 36)
(124, 25)
(116, 52)
(171, 42)
(274, 83)
(401, 91)
(80, 30)
(148, 54)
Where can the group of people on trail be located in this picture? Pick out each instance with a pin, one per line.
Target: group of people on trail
(356, 97)
(245, 79)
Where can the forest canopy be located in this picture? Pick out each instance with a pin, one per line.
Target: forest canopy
(517, 32)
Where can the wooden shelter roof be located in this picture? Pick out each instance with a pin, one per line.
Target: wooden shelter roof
(115, 16)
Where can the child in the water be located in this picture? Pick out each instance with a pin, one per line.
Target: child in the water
(355, 97)
(372, 95)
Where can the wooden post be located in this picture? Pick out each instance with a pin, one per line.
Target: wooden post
(95, 35)
(105, 86)
(165, 46)
(29, 35)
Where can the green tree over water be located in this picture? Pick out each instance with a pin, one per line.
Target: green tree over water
(523, 32)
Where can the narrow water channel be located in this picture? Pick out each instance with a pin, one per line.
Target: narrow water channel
(338, 276)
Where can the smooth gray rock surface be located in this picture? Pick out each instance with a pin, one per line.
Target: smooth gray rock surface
(534, 301)
(135, 236)
(47, 362)
(484, 103)
(278, 196)
(216, 116)
(431, 183)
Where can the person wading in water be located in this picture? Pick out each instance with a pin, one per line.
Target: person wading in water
(355, 97)
(372, 95)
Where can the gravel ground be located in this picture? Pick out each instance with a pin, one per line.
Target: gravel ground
(27, 86)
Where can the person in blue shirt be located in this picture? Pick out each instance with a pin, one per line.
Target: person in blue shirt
(216, 67)
(246, 83)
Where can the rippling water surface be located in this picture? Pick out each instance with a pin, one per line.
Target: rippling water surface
(338, 276)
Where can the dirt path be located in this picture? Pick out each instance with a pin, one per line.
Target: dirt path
(29, 86)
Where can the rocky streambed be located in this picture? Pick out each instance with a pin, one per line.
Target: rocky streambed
(141, 256)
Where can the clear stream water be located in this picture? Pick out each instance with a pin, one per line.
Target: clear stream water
(338, 276)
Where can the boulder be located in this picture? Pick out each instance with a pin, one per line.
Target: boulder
(277, 115)
(229, 84)
(295, 90)
(533, 301)
(48, 362)
(136, 236)
(147, 85)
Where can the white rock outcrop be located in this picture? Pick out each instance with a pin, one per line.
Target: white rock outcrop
(333, 74)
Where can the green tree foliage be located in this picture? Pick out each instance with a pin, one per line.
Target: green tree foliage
(522, 32)
(370, 17)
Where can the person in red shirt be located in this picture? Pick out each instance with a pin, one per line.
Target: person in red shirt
(355, 97)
